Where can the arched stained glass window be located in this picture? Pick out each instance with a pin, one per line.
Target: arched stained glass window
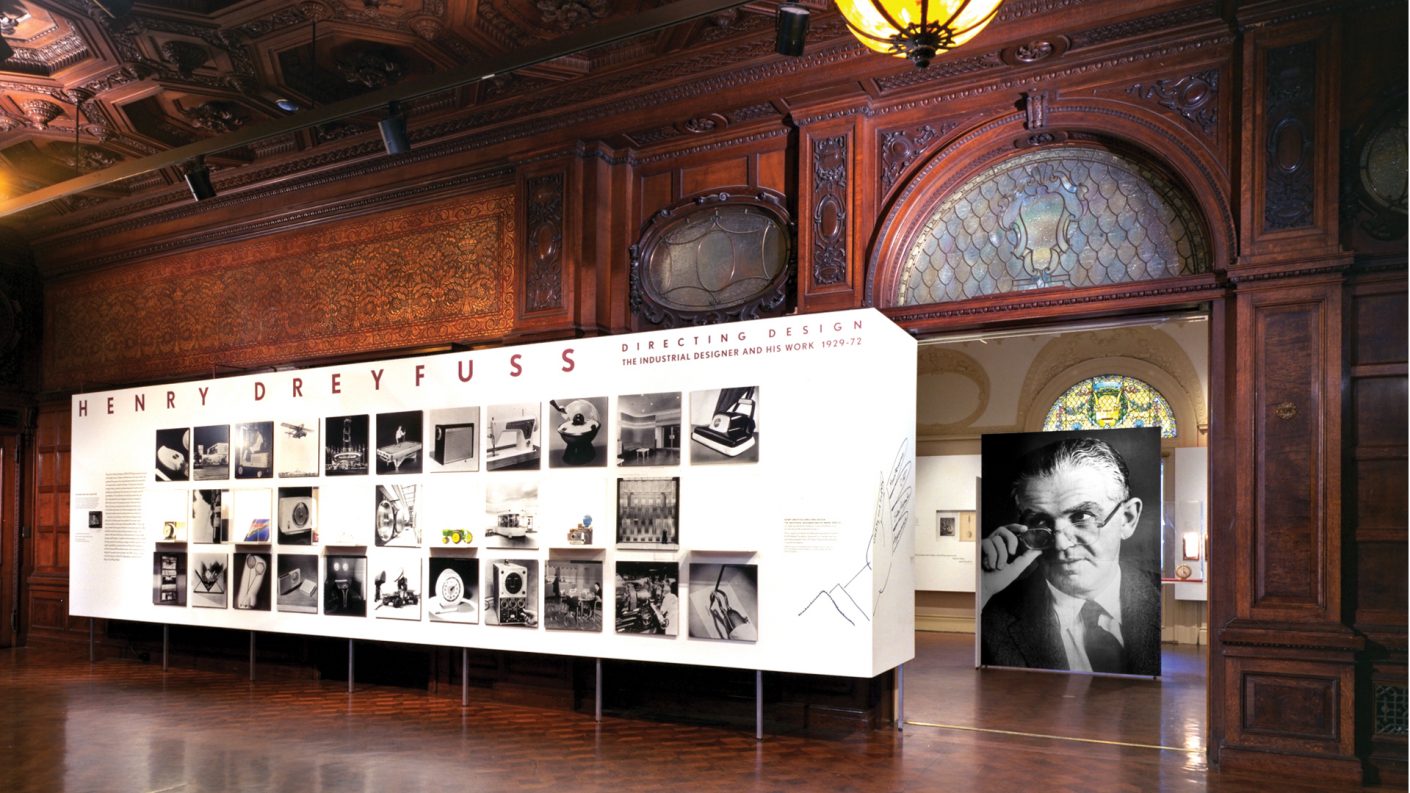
(1111, 400)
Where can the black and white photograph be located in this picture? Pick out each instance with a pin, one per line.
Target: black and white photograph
(946, 524)
(724, 425)
(511, 504)
(394, 516)
(647, 599)
(513, 437)
(454, 440)
(512, 592)
(298, 583)
(572, 595)
(1069, 551)
(210, 458)
(298, 516)
(210, 516)
(168, 512)
(399, 448)
(296, 447)
(169, 578)
(345, 586)
(251, 520)
(173, 455)
(253, 450)
(396, 584)
(254, 580)
(345, 445)
(724, 602)
(649, 429)
(579, 433)
(455, 589)
(210, 580)
(648, 512)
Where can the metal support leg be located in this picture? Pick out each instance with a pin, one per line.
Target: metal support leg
(252, 656)
(350, 665)
(597, 693)
(900, 697)
(166, 644)
(758, 705)
(464, 676)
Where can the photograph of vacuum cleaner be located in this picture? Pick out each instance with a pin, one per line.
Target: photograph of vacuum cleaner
(394, 516)
(296, 447)
(456, 590)
(724, 602)
(211, 458)
(512, 437)
(209, 579)
(730, 429)
(580, 439)
(169, 578)
(648, 512)
(298, 583)
(396, 586)
(345, 586)
(649, 429)
(513, 596)
(252, 581)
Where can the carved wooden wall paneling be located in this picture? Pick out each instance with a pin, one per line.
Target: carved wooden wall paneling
(833, 194)
(424, 275)
(545, 227)
(1377, 490)
(1291, 111)
(46, 559)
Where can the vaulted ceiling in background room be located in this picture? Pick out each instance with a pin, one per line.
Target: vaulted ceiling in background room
(91, 83)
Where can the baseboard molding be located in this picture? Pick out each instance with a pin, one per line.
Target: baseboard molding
(944, 620)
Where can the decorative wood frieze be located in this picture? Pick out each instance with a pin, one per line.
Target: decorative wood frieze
(1193, 97)
(1289, 147)
(830, 217)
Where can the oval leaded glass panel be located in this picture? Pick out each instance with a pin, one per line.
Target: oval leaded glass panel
(1111, 401)
(711, 258)
(1056, 217)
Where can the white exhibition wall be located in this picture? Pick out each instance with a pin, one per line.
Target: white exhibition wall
(945, 485)
(822, 503)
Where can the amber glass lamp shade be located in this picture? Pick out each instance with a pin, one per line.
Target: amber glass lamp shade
(916, 29)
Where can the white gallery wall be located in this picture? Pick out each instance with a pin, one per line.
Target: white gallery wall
(822, 503)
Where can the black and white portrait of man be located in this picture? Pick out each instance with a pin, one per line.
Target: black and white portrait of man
(1070, 552)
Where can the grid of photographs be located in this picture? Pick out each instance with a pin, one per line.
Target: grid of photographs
(391, 577)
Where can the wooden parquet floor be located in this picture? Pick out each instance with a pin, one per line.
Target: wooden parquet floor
(120, 726)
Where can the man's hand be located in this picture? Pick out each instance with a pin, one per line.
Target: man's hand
(1001, 561)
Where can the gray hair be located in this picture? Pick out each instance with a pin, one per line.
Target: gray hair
(1076, 452)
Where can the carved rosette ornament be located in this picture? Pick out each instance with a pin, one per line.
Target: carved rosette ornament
(40, 112)
(183, 56)
(829, 210)
(544, 240)
(1194, 97)
(371, 68)
(215, 117)
(566, 15)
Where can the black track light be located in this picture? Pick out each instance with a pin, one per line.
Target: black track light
(198, 178)
(791, 25)
(393, 128)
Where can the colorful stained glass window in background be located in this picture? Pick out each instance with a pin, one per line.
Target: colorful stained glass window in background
(1109, 401)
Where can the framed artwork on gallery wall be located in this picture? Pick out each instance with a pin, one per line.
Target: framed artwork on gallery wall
(454, 592)
(253, 450)
(647, 600)
(453, 440)
(210, 452)
(648, 512)
(399, 447)
(345, 445)
(649, 429)
(296, 447)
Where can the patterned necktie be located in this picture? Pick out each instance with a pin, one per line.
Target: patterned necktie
(1103, 650)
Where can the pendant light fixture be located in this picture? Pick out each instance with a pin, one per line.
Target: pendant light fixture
(917, 30)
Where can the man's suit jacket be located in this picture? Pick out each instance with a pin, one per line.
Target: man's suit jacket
(1018, 626)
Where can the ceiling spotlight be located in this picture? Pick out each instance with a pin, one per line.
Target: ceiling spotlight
(791, 25)
(393, 128)
(198, 178)
(287, 105)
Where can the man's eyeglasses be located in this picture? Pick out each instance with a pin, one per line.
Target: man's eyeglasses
(1040, 531)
